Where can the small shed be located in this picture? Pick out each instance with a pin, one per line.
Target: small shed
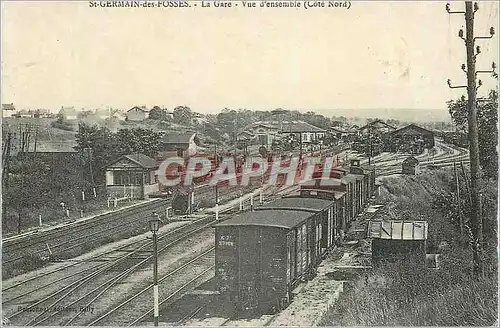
(410, 166)
(395, 241)
(137, 113)
(179, 144)
(134, 176)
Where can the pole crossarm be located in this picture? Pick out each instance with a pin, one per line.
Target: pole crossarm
(492, 32)
(453, 12)
(483, 37)
(455, 86)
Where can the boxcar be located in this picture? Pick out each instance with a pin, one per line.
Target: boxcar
(323, 206)
(260, 256)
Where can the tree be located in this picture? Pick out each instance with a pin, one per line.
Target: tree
(182, 115)
(28, 187)
(487, 117)
(157, 113)
(138, 140)
(107, 146)
(102, 144)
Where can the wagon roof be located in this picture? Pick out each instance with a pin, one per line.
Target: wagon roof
(398, 230)
(365, 168)
(323, 181)
(351, 177)
(337, 194)
(268, 218)
(298, 204)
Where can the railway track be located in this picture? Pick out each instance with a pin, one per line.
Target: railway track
(30, 302)
(69, 240)
(76, 238)
(102, 277)
(390, 163)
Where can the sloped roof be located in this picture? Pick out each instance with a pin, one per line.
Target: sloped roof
(337, 129)
(297, 204)
(376, 125)
(268, 218)
(411, 160)
(177, 138)
(24, 112)
(68, 110)
(287, 126)
(144, 109)
(333, 194)
(398, 230)
(412, 129)
(142, 160)
(54, 147)
(139, 159)
(8, 107)
(300, 126)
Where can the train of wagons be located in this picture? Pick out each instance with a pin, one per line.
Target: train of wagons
(261, 256)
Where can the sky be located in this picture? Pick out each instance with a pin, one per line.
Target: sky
(376, 57)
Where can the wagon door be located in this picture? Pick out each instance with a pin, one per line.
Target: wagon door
(249, 267)
(226, 261)
(298, 252)
(319, 235)
(311, 240)
(292, 249)
(304, 248)
(274, 265)
(327, 227)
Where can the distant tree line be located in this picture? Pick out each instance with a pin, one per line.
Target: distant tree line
(106, 146)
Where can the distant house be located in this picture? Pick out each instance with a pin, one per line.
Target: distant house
(265, 133)
(303, 131)
(412, 139)
(134, 176)
(339, 134)
(169, 114)
(8, 110)
(117, 115)
(410, 166)
(42, 113)
(268, 131)
(23, 114)
(179, 145)
(57, 154)
(137, 113)
(53, 147)
(377, 126)
(245, 136)
(197, 118)
(69, 113)
(103, 113)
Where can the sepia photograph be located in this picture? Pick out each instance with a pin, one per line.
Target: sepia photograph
(249, 163)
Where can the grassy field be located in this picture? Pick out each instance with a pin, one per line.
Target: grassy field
(404, 296)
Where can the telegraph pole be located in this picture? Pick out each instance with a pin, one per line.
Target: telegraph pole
(476, 218)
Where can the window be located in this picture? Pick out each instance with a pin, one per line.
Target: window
(130, 177)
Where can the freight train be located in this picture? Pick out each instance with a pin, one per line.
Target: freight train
(261, 256)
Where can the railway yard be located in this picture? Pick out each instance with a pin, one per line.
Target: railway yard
(87, 279)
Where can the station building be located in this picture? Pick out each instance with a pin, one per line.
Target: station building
(132, 176)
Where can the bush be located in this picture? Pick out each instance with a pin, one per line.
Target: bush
(412, 297)
(449, 296)
(61, 124)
